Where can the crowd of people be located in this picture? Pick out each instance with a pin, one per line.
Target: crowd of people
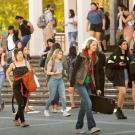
(84, 71)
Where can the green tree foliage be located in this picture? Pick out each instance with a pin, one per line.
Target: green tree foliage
(9, 9)
(59, 11)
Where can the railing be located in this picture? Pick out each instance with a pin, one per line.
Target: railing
(60, 38)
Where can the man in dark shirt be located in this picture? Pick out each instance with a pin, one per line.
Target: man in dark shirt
(25, 29)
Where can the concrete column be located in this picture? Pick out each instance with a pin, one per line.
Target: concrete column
(113, 6)
(36, 42)
(131, 4)
(82, 10)
(68, 4)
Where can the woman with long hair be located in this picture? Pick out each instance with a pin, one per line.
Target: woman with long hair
(119, 61)
(55, 82)
(19, 67)
(2, 74)
(83, 80)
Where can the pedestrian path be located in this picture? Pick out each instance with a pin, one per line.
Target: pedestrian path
(59, 125)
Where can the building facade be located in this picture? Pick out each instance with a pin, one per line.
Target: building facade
(81, 8)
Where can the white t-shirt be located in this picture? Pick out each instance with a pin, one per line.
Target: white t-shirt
(11, 44)
(72, 27)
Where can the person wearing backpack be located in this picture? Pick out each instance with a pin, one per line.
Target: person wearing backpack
(26, 29)
(48, 30)
(119, 61)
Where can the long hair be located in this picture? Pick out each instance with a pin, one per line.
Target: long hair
(55, 54)
(4, 51)
(72, 51)
(88, 42)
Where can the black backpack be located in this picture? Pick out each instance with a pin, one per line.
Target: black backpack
(109, 72)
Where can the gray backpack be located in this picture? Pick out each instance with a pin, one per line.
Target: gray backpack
(41, 23)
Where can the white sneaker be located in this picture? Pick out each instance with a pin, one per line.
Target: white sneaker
(94, 130)
(46, 113)
(66, 114)
(80, 131)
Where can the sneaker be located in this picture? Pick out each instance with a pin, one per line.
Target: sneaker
(94, 130)
(24, 124)
(17, 123)
(66, 114)
(46, 113)
(80, 131)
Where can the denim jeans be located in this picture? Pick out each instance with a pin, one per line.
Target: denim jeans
(25, 40)
(85, 108)
(56, 99)
(2, 80)
(72, 36)
(56, 85)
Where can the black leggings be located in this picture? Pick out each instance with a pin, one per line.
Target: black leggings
(21, 101)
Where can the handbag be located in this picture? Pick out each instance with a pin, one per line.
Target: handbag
(29, 81)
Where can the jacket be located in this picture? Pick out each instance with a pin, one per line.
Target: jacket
(80, 71)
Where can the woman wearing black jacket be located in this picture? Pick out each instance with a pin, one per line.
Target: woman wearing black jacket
(119, 61)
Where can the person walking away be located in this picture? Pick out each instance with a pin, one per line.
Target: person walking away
(71, 60)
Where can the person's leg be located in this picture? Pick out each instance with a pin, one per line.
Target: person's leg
(92, 33)
(121, 97)
(25, 40)
(86, 104)
(133, 92)
(62, 95)
(2, 80)
(98, 37)
(55, 102)
(71, 97)
(52, 85)
(27, 109)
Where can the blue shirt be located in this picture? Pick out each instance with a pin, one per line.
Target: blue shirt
(95, 17)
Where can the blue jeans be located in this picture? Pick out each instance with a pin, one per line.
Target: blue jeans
(2, 80)
(55, 85)
(72, 36)
(25, 40)
(85, 108)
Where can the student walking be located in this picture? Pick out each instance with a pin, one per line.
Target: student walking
(19, 68)
(119, 61)
(2, 74)
(56, 83)
(83, 80)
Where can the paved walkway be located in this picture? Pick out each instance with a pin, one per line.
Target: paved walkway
(59, 125)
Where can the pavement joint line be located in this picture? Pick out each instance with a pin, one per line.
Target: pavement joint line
(35, 125)
(119, 133)
(71, 120)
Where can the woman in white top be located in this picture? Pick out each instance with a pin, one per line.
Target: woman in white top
(72, 26)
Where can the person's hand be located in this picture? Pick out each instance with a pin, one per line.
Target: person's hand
(3, 54)
(122, 64)
(99, 92)
(11, 84)
(71, 89)
(103, 28)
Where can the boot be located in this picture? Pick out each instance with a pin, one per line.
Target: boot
(119, 114)
(123, 116)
